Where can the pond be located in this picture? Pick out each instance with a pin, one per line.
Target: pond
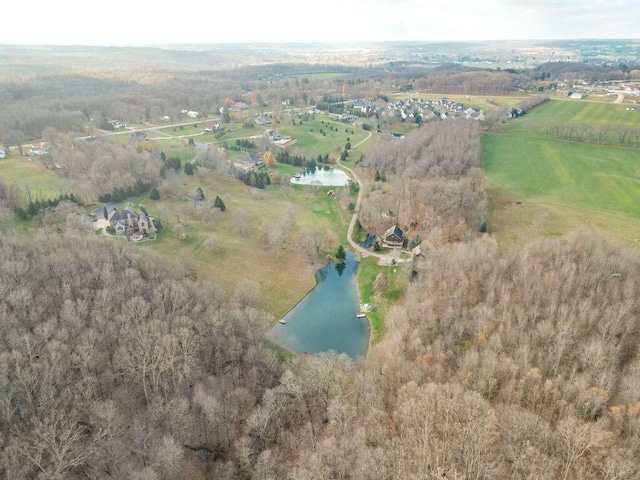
(331, 177)
(325, 319)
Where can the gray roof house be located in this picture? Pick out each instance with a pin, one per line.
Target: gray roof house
(394, 237)
(130, 221)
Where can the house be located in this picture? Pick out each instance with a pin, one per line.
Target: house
(394, 237)
(39, 148)
(120, 228)
(193, 114)
(262, 120)
(129, 221)
(2, 154)
(139, 136)
(249, 162)
(272, 135)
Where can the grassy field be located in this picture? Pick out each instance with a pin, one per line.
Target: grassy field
(28, 173)
(549, 187)
(282, 279)
(574, 112)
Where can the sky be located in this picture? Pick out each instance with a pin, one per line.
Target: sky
(145, 22)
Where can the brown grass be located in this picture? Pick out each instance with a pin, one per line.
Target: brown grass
(282, 279)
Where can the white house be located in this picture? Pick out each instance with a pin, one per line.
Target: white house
(2, 154)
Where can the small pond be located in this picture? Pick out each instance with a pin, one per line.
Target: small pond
(325, 319)
(331, 177)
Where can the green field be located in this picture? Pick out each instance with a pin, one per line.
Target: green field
(565, 184)
(576, 112)
(28, 173)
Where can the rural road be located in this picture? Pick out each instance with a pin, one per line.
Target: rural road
(385, 258)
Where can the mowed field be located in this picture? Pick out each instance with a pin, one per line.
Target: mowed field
(28, 174)
(576, 112)
(544, 186)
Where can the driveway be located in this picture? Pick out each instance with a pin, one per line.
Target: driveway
(386, 259)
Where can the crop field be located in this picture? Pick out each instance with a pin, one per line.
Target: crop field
(555, 185)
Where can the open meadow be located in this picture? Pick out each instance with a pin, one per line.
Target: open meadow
(31, 178)
(267, 236)
(544, 186)
(584, 121)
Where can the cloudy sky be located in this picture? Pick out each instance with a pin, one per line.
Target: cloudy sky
(124, 22)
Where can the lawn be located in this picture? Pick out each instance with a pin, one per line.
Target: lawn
(397, 280)
(321, 135)
(554, 185)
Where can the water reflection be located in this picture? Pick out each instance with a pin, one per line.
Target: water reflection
(325, 319)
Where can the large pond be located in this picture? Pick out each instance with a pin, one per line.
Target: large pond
(331, 177)
(325, 319)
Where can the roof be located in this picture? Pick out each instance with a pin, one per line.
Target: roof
(395, 230)
(121, 215)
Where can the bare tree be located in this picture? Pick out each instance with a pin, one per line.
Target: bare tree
(240, 220)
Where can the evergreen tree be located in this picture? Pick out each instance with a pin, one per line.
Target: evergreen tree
(341, 254)
(154, 194)
(218, 203)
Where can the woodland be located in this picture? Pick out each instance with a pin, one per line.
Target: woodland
(520, 363)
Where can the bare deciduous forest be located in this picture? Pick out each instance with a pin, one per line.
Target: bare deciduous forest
(114, 363)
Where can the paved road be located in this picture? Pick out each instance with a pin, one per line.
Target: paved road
(385, 258)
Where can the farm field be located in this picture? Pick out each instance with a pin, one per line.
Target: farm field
(577, 112)
(554, 186)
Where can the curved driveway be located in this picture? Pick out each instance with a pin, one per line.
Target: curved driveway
(385, 258)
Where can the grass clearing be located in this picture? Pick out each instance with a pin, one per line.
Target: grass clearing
(282, 279)
(29, 174)
(397, 281)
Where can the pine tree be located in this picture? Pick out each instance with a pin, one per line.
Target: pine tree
(218, 203)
